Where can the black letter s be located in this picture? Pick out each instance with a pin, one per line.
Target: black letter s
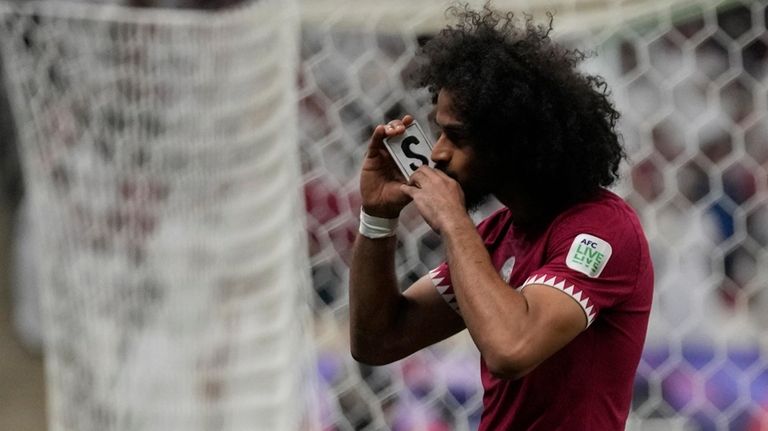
(406, 147)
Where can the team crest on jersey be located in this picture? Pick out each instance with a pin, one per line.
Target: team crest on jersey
(506, 270)
(588, 255)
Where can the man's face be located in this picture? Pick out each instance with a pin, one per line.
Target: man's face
(454, 154)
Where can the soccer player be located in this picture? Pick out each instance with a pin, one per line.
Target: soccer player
(555, 288)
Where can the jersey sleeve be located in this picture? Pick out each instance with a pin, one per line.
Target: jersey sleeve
(593, 258)
(441, 279)
(490, 229)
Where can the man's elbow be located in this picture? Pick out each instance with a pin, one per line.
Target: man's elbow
(512, 364)
(368, 353)
(368, 358)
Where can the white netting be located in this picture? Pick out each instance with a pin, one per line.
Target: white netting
(161, 163)
(690, 78)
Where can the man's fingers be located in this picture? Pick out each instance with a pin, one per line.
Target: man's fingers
(377, 138)
(413, 181)
(396, 127)
(383, 131)
(422, 175)
(408, 190)
(442, 175)
(376, 146)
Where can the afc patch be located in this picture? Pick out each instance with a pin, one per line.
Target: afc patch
(588, 255)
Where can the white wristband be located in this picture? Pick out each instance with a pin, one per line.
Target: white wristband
(376, 227)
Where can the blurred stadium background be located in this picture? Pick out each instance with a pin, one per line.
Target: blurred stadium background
(173, 195)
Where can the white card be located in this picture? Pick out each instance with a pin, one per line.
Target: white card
(410, 150)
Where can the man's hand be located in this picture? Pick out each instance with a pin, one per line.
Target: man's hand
(380, 180)
(437, 196)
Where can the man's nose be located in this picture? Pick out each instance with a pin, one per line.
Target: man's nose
(440, 151)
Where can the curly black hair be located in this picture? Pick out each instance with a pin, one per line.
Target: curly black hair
(549, 128)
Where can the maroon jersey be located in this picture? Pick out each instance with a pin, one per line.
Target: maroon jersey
(596, 253)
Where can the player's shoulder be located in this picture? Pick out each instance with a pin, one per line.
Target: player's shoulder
(606, 225)
(606, 217)
(494, 225)
(605, 211)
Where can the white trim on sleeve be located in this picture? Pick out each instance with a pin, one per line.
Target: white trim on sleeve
(443, 286)
(560, 283)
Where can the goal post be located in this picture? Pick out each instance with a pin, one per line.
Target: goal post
(161, 165)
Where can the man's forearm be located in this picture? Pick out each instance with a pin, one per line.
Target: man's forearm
(374, 296)
(493, 313)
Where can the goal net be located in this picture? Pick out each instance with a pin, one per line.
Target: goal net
(163, 151)
(690, 80)
(160, 156)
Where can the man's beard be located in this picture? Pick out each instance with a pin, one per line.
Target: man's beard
(475, 197)
(477, 189)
